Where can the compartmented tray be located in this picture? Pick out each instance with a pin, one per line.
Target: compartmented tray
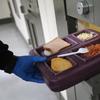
(82, 69)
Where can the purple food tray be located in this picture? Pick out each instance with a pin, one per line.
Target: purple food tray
(82, 69)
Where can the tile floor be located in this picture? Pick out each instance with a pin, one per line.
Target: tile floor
(12, 87)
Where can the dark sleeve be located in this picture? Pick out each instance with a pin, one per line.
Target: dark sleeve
(7, 59)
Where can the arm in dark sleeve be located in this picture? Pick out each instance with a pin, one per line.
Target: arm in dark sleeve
(7, 59)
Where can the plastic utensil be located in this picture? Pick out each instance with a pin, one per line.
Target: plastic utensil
(80, 50)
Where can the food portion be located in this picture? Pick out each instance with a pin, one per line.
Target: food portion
(86, 36)
(60, 64)
(94, 50)
(54, 46)
(47, 52)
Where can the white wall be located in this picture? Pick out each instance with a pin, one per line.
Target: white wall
(48, 19)
(4, 9)
(20, 22)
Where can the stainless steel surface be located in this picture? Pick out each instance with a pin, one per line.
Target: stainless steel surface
(71, 93)
(85, 9)
(83, 91)
(82, 8)
(97, 12)
(35, 30)
(94, 82)
(30, 6)
(60, 18)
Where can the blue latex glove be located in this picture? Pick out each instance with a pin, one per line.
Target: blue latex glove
(26, 68)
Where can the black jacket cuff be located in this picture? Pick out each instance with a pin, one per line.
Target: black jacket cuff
(10, 66)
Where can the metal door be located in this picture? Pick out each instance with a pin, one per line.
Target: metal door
(81, 9)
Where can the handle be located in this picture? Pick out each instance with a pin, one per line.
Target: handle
(22, 8)
(68, 54)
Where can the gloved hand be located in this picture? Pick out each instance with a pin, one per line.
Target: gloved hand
(26, 68)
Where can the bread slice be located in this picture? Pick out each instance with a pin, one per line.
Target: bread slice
(60, 64)
(56, 45)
